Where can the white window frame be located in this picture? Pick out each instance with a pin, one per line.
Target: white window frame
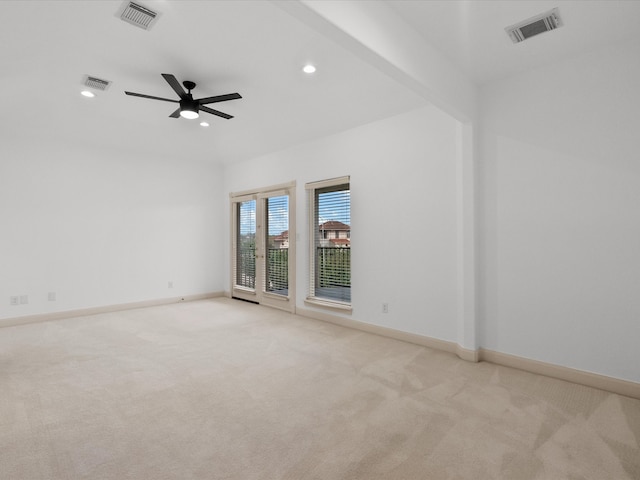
(288, 302)
(312, 300)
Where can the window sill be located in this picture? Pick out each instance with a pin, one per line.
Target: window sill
(328, 304)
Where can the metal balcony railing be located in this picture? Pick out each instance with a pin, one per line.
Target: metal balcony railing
(332, 271)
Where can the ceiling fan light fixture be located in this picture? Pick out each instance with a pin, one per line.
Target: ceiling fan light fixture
(190, 114)
(308, 68)
(189, 109)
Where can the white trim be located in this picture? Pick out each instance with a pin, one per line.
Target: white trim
(242, 198)
(330, 182)
(580, 377)
(234, 201)
(275, 296)
(323, 303)
(244, 290)
(256, 191)
(379, 330)
(466, 238)
(273, 193)
(468, 355)
(311, 299)
(594, 380)
(258, 294)
(46, 317)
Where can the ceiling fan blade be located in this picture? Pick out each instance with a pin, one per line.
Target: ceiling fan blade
(219, 98)
(151, 97)
(215, 112)
(175, 114)
(171, 80)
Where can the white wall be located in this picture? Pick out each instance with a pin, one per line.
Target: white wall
(403, 215)
(559, 223)
(104, 228)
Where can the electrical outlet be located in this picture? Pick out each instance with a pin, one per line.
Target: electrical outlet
(14, 300)
(52, 296)
(385, 308)
(24, 299)
(170, 284)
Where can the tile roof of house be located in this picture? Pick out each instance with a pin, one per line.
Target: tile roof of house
(283, 236)
(334, 225)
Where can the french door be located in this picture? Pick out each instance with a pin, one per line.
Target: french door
(263, 247)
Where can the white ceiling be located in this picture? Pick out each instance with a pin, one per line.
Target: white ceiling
(251, 47)
(254, 48)
(471, 32)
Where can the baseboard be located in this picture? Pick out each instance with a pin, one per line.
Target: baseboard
(468, 355)
(45, 317)
(602, 382)
(422, 340)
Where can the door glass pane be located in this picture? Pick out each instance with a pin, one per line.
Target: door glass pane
(277, 245)
(246, 244)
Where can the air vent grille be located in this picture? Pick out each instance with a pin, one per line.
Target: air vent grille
(137, 15)
(534, 26)
(96, 83)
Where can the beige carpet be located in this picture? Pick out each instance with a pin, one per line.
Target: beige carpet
(222, 389)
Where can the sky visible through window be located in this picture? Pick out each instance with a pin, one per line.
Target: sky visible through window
(278, 214)
(332, 206)
(247, 217)
(335, 206)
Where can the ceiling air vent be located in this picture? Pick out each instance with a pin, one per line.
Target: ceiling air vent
(534, 25)
(96, 83)
(137, 15)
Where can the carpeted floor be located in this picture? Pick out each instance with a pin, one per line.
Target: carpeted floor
(222, 389)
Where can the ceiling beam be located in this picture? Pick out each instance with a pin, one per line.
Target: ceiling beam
(377, 34)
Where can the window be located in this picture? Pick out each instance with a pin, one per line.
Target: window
(330, 243)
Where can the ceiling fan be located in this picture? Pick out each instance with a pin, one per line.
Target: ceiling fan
(189, 107)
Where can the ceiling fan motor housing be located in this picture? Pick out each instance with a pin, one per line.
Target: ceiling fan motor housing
(188, 103)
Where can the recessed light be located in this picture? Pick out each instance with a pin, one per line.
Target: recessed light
(309, 68)
(87, 93)
(204, 124)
